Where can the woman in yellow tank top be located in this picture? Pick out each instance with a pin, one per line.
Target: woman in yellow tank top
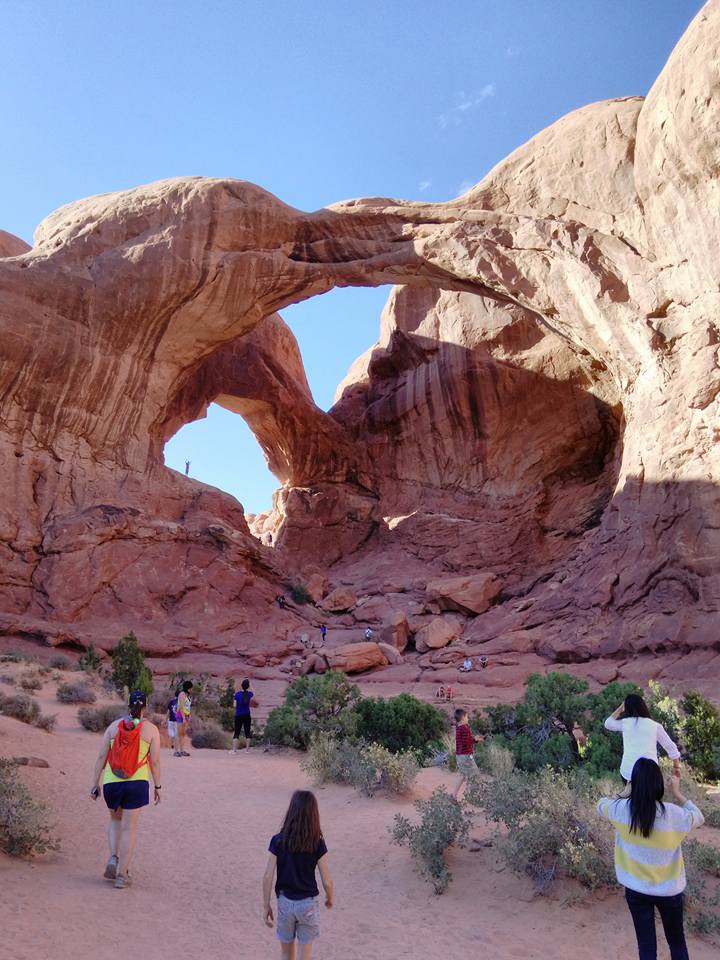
(126, 796)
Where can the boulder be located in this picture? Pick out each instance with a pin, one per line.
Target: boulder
(473, 593)
(341, 600)
(354, 657)
(396, 632)
(438, 633)
(390, 652)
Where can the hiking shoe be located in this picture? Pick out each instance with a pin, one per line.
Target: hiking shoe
(122, 880)
(177, 754)
(111, 869)
(183, 754)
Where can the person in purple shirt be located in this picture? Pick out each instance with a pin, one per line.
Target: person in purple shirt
(244, 700)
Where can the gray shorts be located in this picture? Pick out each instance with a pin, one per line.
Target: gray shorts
(298, 918)
(466, 765)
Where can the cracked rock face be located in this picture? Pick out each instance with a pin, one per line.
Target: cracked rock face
(540, 410)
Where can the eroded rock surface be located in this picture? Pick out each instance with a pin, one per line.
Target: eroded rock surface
(541, 406)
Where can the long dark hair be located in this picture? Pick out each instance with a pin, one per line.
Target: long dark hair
(301, 831)
(647, 789)
(635, 706)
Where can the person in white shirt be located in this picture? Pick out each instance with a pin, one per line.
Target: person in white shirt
(467, 665)
(641, 735)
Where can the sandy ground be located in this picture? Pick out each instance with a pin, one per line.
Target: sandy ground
(202, 852)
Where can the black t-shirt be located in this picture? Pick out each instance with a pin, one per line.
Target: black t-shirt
(296, 871)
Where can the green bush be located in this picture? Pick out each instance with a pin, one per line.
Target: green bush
(400, 723)
(701, 736)
(444, 822)
(30, 680)
(75, 693)
(90, 660)
(702, 866)
(128, 667)
(24, 827)
(314, 704)
(208, 735)
(98, 719)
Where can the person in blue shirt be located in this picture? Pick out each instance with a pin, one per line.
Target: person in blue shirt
(244, 700)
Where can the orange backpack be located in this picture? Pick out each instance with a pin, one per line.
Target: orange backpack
(124, 754)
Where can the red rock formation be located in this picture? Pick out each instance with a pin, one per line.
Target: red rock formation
(542, 404)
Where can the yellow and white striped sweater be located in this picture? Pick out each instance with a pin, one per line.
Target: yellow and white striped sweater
(653, 865)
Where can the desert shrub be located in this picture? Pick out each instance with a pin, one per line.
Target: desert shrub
(8, 678)
(495, 759)
(90, 661)
(128, 667)
(314, 704)
(75, 693)
(299, 593)
(98, 719)
(10, 657)
(400, 723)
(60, 662)
(551, 826)
(701, 736)
(665, 709)
(702, 865)
(24, 826)
(21, 707)
(30, 680)
(369, 767)
(444, 822)
(44, 670)
(47, 722)
(208, 735)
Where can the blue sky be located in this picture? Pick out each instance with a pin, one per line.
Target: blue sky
(316, 101)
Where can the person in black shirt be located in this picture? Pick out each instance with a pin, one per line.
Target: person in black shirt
(295, 852)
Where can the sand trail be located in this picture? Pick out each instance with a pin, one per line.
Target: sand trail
(200, 858)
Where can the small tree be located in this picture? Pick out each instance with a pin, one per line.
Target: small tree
(701, 736)
(314, 704)
(129, 671)
(90, 660)
(400, 723)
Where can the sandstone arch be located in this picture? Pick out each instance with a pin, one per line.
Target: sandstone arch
(131, 309)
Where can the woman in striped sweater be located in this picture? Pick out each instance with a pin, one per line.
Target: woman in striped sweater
(648, 855)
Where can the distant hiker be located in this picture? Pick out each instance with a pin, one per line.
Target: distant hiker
(368, 634)
(129, 756)
(465, 741)
(187, 468)
(323, 632)
(268, 539)
(281, 601)
(182, 718)
(244, 699)
(171, 722)
(641, 735)
(295, 852)
(467, 665)
(483, 662)
(648, 854)
(449, 693)
(440, 693)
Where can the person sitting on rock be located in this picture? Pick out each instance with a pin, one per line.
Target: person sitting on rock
(368, 633)
(449, 693)
(281, 601)
(467, 665)
(483, 662)
(440, 692)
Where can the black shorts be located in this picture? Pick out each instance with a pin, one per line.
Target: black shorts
(242, 725)
(127, 794)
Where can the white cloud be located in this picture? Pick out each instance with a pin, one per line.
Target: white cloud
(466, 102)
(424, 185)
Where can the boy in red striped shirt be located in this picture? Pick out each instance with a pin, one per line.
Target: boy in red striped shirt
(465, 741)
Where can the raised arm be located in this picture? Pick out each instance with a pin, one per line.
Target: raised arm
(613, 722)
(696, 819)
(267, 885)
(669, 746)
(326, 880)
